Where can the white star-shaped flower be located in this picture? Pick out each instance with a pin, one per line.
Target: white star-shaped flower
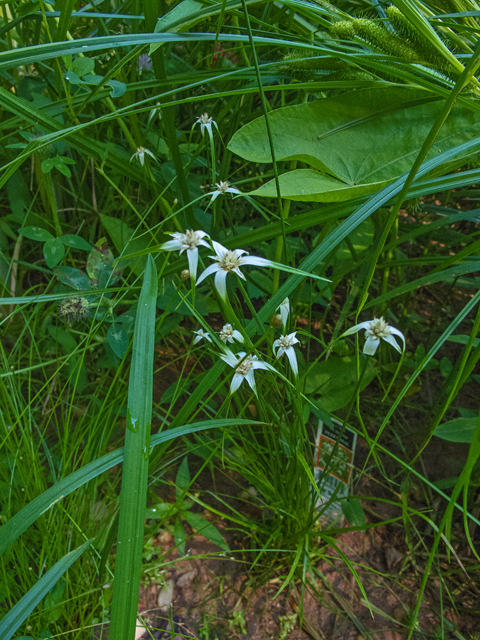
(284, 344)
(140, 155)
(229, 261)
(205, 121)
(229, 334)
(189, 242)
(244, 367)
(222, 189)
(200, 335)
(156, 110)
(284, 309)
(376, 330)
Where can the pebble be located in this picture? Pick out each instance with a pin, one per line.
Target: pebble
(185, 579)
(165, 596)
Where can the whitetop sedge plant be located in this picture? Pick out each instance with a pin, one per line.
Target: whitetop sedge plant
(375, 331)
(79, 199)
(189, 242)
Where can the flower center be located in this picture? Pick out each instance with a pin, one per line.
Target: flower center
(245, 367)
(378, 329)
(226, 333)
(190, 239)
(222, 186)
(229, 261)
(204, 119)
(285, 342)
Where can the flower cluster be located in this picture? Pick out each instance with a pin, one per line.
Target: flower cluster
(231, 261)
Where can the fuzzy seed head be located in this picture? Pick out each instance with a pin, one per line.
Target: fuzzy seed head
(74, 309)
(276, 320)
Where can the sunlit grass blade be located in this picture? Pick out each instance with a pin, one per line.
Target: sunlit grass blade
(133, 496)
(22, 609)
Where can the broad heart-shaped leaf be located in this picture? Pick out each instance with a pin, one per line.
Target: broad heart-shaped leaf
(458, 430)
(118, 339)
(36, 233)
(357, 141)
(76, 242)
(308, 185)
(23, 608)
(53, 251)
(75, 278)
(335, 380)
(100, 265)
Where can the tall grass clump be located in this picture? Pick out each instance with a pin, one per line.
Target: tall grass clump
(221, 224)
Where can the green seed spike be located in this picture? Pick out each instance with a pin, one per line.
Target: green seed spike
(381, 39)
(417, 40)
(309, 61)
(343, 29)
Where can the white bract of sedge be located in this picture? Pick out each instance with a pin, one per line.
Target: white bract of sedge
(205, 121)
(284, 309)
(229, 334)
(200, 334)
(284, 345)
(244, 367)
(227, 261)
(140, 155)
(189, 242)
(222, 189)
(376, 330)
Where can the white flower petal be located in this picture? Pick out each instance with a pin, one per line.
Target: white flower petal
(391, 340)
(229, 358)
(236, 382)
(357, 327)
(239, 273)
(237, 335)
(371, 345)
(256, 261)
(399, 334)
(221, 283)
(208, 271)
(292, 356)
(250, 378)
(192, 255)
(219, 249)
(171, 245)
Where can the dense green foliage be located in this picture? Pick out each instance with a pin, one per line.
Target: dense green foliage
(339, 146)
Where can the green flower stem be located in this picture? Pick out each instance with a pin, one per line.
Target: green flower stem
(281, 239)
(151, 17)
(267, 124)
(214, 174)
(47, 192)
(232, 317)
(109, 102)
(246, 297)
